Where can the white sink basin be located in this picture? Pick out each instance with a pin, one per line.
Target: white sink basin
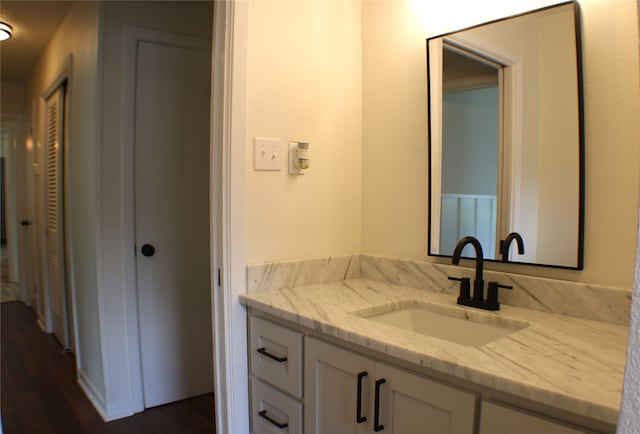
(464, 326)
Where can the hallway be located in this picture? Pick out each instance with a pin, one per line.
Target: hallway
(40, 394)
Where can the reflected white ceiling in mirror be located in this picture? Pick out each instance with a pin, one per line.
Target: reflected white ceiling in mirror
(438, 17)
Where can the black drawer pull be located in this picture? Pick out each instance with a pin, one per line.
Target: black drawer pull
(359, 417)
(376, 415)
(264, 352)
(263, 414)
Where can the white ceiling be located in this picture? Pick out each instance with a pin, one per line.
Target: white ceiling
(33, 22)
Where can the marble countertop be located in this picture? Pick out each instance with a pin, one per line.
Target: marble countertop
(573, 364)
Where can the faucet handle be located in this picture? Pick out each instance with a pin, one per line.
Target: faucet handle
(465, 287)
(492, 295)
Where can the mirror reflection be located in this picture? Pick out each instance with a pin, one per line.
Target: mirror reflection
(505, 138)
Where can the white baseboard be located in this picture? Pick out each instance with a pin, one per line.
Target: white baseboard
(107, 412)
(94, 396)
(118, 411)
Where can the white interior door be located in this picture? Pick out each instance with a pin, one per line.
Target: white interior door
(172, 218)
(56, 283)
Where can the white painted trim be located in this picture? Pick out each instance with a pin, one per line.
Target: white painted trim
(505, 121)
(511, 133)
(43, 302)
(229, 142)
(68, 216)
(100, 293)
(513, 127)
(92, 393)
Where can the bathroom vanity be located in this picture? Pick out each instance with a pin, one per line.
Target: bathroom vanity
(324, 360)
(362, 344)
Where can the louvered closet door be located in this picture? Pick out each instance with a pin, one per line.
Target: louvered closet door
(54, 217)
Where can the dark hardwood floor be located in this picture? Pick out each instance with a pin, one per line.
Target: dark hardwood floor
(40, 394)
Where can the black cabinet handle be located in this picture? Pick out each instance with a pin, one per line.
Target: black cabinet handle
(263, 414)
(359, 417)
(376, 415)
(264, 352)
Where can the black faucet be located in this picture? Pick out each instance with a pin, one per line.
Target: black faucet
(505, 245)
(478, 284)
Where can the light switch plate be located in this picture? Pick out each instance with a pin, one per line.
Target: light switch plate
(267, 154)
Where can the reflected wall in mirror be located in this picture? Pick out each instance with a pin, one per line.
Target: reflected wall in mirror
(506, 142)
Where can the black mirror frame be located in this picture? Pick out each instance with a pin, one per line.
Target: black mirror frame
(581, 134)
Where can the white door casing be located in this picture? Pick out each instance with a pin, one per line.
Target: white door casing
(227, 196)
(172, 95)
(11, 136)
(510, 156)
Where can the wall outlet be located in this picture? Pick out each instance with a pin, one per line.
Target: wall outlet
(267, 154)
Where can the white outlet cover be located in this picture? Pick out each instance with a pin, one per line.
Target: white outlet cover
(267, 154)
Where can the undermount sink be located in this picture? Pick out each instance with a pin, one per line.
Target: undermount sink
(463, 326)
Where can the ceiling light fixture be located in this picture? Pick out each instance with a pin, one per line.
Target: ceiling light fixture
(5, 31)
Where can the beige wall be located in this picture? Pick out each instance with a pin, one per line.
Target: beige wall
(394, 147)
(12, 97)
(303, 83)
(394, 131)
(77, 36)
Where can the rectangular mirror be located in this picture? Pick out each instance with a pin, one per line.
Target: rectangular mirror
(506, 137)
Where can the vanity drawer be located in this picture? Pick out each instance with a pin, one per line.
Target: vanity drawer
(276, 355)
(274, 412)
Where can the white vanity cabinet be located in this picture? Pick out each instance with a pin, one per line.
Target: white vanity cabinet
(303, 385)
(391, 400)
(498, 419)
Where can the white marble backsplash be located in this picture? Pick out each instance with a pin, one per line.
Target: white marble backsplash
(293, 273)
(599, 303)
(562, 297)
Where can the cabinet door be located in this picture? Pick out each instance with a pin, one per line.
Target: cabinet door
(410, 404)
(332, 379)
(496, 419)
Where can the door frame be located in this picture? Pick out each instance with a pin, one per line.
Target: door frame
(228, 150)
(12, 171)
(510, 155)
(132, 36)
(62, 78)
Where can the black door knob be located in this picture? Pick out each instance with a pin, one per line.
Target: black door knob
(25, 223)
(147, 250)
